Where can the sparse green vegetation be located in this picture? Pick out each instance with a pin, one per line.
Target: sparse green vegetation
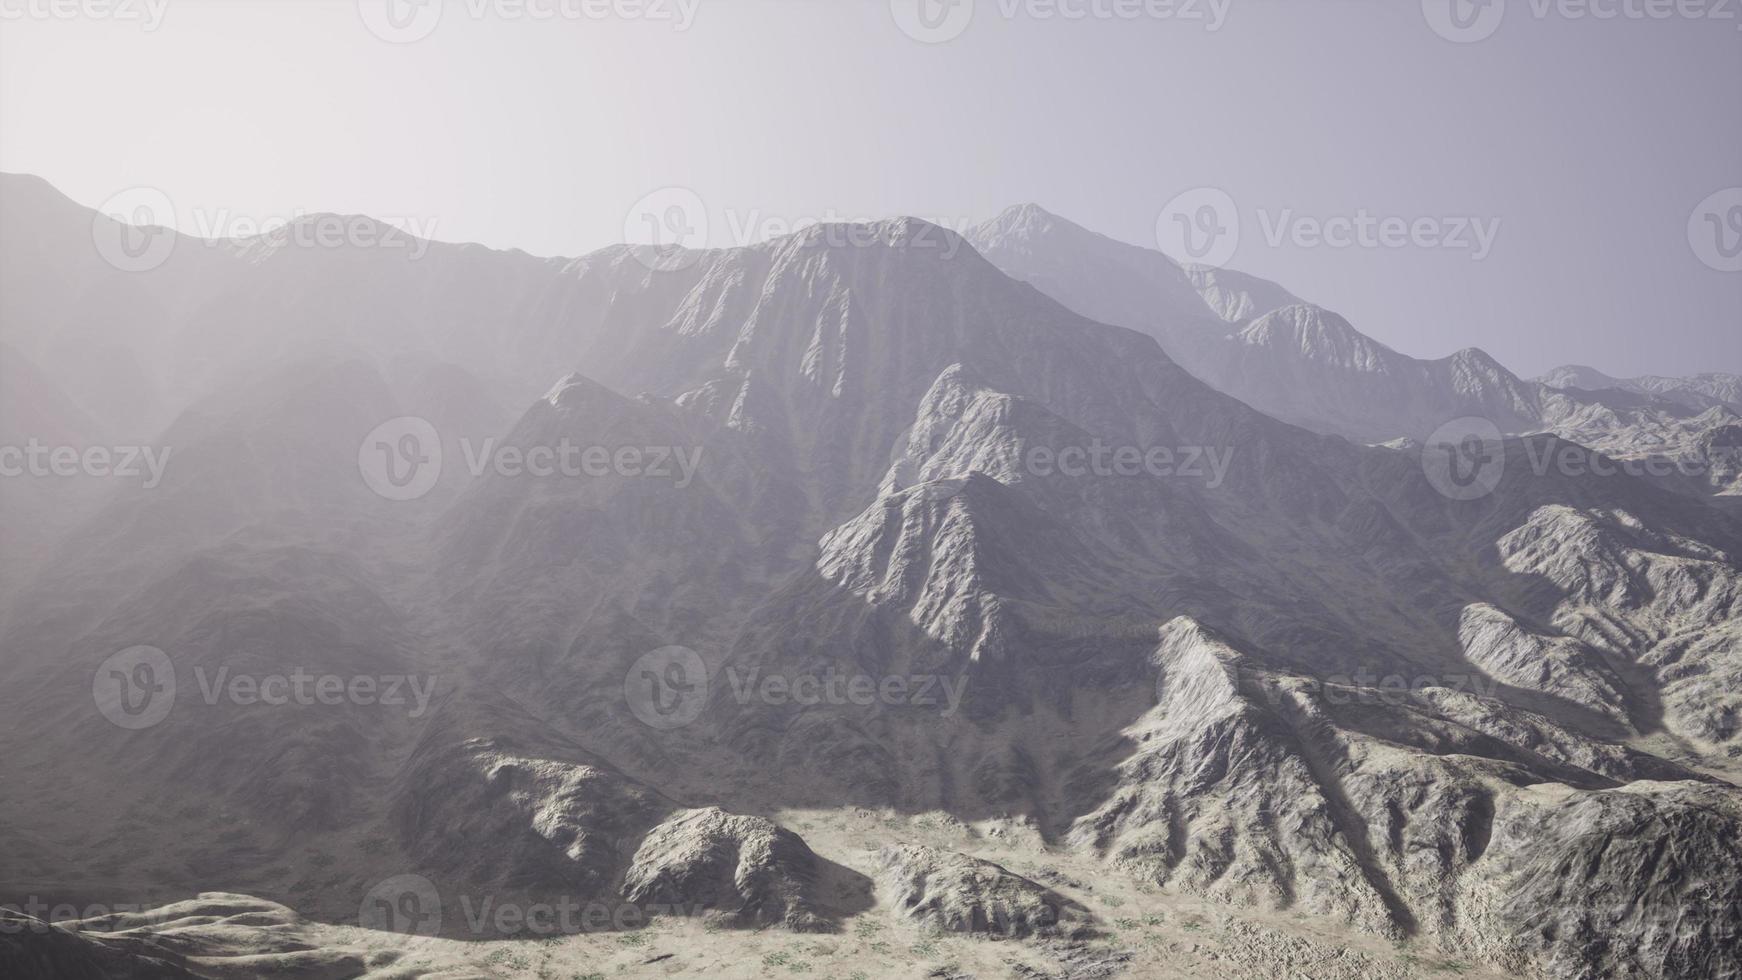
(506, 959)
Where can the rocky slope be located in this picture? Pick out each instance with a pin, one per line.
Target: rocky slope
(957, 893)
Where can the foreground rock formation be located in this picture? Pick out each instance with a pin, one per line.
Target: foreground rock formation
(957, 893)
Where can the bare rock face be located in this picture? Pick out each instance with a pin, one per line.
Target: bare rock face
(1225, 800)
(957, 893)
(1557, 665)
(749, 871)
(1480, 827)
(1670, 603)
(1641, 881)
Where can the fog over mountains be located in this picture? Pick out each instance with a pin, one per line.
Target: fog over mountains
(1307, 365)
(852, 599)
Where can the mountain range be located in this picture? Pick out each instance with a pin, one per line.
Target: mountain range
(1307, 365)
(1026, 584)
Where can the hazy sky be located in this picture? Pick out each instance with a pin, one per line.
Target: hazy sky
(1592, 143)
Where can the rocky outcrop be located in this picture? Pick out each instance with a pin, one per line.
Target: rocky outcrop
(952, 892)
(212, 935)
(1556, 665)
(748, 871)
(557, 818)
(1222, 799)
(1667, 603)
(1644, 881)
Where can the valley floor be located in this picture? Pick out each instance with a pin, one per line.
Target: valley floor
(1139, 932)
